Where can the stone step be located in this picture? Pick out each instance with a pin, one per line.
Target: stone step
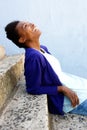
(25, 111)
(68, 122)
(11, 68)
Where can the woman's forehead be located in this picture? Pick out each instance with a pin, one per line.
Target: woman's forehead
(21, 23)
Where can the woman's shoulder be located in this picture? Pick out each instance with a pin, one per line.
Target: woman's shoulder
(33, 54)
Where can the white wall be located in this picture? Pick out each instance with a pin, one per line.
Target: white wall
(63, 24)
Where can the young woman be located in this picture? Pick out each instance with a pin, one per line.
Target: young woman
(43, 73)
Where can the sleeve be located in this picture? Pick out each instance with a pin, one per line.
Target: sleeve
(33, 79)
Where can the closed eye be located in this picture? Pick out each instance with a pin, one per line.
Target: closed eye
(25, 26)
(28, 25)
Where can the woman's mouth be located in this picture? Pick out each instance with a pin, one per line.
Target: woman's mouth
(35, 29)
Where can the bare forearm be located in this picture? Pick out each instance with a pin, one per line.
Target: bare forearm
(70, 94)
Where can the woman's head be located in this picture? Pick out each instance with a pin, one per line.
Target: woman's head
(22, 33)
(12, 33)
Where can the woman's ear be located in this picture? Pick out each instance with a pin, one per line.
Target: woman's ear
(22, 40)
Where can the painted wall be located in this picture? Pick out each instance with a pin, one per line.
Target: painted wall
(63, 24)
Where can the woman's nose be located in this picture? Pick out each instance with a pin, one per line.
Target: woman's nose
(32, 25)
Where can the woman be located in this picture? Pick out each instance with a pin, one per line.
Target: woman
(43, 73)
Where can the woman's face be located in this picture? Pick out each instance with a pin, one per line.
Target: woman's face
(28, 31)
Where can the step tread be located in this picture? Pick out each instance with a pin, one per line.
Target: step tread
(68, 122)
(25, 111)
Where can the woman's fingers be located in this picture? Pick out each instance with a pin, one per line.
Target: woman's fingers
(74, 99)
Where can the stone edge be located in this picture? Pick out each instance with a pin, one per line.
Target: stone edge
(9, 78)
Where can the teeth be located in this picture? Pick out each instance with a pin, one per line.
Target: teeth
(35, 29)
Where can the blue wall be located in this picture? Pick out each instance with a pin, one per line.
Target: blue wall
(63, 24)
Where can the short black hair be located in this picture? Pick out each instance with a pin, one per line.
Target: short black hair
(12, 33)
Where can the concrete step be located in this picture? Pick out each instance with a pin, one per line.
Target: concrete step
(68, 122)
(11, 68)
(25, 111)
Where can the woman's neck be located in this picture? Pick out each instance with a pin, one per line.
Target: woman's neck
(35, 45)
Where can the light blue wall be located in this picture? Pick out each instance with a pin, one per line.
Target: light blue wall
(63, 24)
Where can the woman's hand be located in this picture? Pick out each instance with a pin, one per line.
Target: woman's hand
(70, 94)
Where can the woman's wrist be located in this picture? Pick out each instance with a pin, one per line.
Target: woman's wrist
(60, 88)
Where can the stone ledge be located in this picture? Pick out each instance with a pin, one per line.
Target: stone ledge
(10, 70)
(68, 122)
(25, 111)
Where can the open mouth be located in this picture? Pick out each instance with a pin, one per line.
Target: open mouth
(35, 29)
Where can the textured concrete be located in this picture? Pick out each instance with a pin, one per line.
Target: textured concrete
(25, 111)
(2, 52)
(10, 70)
(68, 122)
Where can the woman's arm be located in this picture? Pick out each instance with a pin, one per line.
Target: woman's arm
(70, 94)
(34, 82)
(33, 76)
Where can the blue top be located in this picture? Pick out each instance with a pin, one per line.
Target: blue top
(41, 79)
